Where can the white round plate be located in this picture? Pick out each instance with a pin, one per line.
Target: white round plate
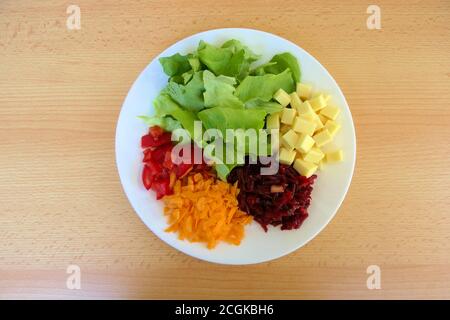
(257, 246)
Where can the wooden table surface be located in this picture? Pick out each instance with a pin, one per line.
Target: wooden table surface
(61, 202)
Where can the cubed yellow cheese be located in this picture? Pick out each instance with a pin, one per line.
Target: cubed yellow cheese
(304, 126)
(282, 97)
(330, 112)
(305, 108)
(304, 143)
(322, 137)
(332, 127)
(287, 156)
(289, 139)
(295, 100)
(299, 155)
(308, 117)
(318, 102)
(288, 115)
(314, 155)
(326, 96)
(285, 128)
(323, 119)
(303, 90)
(305, 168)
(273, 121)
(312, 117)
(318, 122)
(335, 156)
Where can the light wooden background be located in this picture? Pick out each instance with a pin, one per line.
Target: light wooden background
(61, 201)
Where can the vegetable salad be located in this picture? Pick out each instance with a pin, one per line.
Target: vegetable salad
(226, 88)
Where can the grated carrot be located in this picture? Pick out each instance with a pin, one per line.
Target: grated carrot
(204, 209)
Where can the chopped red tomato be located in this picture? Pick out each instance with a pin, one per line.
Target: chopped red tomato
(162, 188)
(167, 163)
(154, 167)
(147, 155)
(148, 140)
(160, 153)
(183, 169)
(155, 131)
(160, 173)
(147, 178)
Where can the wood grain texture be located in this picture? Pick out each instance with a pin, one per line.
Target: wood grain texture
(61, 201)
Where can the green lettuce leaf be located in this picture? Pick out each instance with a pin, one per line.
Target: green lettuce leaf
(260, 70)
(195, 64)
(219, 91)
(267, 106)
(189, 96)
(166, 122)
(264, 87)
(237, 46)
(175, 65)
(284, 61)
(232, 118)
(165, 106)
(232, 59)
(216, 59)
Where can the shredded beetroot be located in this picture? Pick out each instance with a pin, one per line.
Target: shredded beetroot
(279, 199)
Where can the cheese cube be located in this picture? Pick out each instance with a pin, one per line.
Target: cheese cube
(305, 168)
(282, 97)
(335, 156)
(322, 137)
(299, 155)
(295, 100)
(308, 117)
(288, 115)
(312, 117)
(332, 127)
(318, 102)
(289, 139)
(318, 122)
(323, 119)
(327, 97)
(304, 90)
(314, 155)
(304, 126)
(304, 143)
(273, 121)
(285, 128)
(330, 112)
(287, 156)
(305, 108)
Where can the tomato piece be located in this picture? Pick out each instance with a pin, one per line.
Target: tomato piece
(155, 131)
(159, 154)
(182, 169)
(162, 188)
(167, 163)
(147, 177)
(154, 167)
(147, 155)
(166, 137)
(148, 140)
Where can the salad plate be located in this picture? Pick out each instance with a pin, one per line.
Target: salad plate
(257, 246)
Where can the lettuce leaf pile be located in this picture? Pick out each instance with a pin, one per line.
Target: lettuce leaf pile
(216, 84)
